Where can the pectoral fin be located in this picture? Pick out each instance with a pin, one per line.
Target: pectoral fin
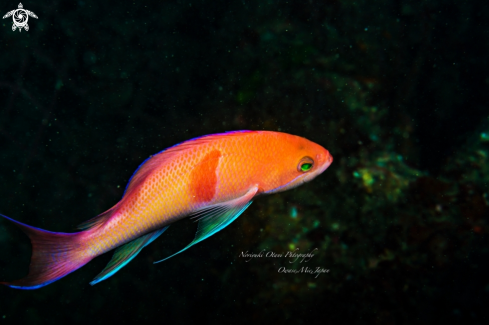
(126, 253)
(215, 218)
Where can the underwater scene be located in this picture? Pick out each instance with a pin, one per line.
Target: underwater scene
(319, 162)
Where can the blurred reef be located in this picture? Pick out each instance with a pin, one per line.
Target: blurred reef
(397, 91)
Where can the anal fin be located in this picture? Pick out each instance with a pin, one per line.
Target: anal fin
(126, 253)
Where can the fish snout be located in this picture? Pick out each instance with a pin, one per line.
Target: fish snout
(324, 160)
(329, 160)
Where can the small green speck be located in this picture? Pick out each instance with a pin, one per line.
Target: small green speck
(293, 212)
(368, 180)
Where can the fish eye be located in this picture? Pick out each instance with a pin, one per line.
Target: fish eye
(305, 164)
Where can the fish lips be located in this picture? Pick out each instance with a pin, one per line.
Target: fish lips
(309, 177)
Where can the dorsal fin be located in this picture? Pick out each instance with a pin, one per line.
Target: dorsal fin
(98, 220)
(154, 161)
(150, 165)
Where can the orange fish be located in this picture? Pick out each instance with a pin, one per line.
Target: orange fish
(213, 178)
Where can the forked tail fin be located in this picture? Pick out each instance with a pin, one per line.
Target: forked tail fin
(54, 255)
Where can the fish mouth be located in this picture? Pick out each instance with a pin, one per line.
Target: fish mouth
(311, 176)
(304, 178)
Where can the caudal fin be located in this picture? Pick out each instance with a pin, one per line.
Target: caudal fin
(54, 255)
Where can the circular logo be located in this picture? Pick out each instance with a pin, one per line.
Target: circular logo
(20, 17)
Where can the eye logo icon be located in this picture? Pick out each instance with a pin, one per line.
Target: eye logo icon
(20, 17)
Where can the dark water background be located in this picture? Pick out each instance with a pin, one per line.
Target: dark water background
(396, 90)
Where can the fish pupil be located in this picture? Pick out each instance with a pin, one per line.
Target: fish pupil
(305, 167)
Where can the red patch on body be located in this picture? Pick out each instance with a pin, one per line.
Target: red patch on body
(203, 179)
